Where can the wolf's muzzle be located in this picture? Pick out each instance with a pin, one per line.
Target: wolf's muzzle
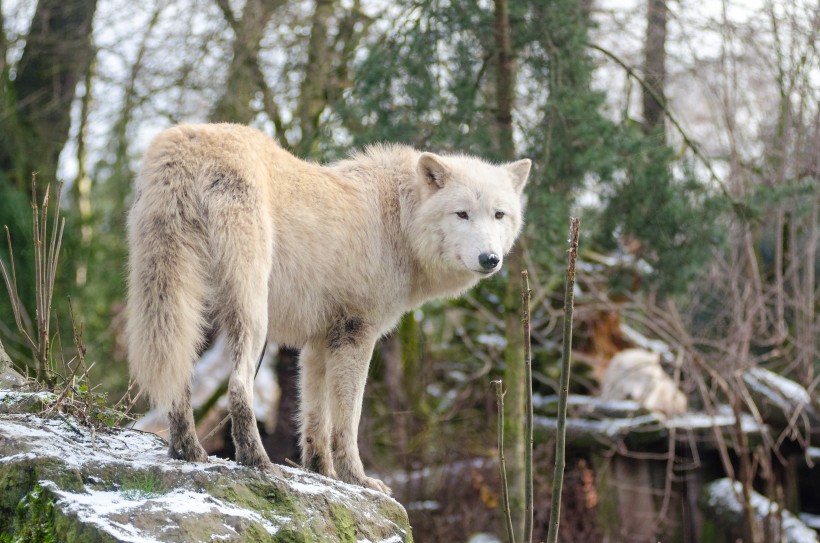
(488, 261)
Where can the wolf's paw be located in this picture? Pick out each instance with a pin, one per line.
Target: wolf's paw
(272, 469)
(188, 450)
(369, 482)
(375, 484)
(254, 459)
(321, 465)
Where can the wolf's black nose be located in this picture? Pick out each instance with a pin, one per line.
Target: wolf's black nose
(488, 261)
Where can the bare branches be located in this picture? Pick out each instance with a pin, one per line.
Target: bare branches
(505, 495)
(526, 295)
(46, 256)
(563, 391)
(690, 143)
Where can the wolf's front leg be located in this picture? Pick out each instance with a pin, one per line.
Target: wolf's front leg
(351, 346)
(314, 410)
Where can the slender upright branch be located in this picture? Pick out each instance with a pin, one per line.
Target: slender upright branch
(566, 355)
(505, 496)
(47, 245)
(526, 296)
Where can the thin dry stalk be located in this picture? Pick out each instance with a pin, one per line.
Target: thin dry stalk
(526, 296)
(505, 495)
(563, 391)
(46, 256)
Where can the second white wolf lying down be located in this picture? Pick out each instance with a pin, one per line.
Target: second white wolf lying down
(636, 374)
(229, 229)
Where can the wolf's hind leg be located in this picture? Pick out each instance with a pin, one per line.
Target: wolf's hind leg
(184, 444)
(249, 449)
(241, 246)
(314, 411)
(351, 347)
(245, 328)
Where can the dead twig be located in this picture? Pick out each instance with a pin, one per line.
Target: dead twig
(505, 495)
(563, 391)
(526, 296)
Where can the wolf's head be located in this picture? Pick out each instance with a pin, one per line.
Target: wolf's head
(469, 212)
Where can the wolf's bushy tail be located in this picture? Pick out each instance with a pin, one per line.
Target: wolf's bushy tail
(167, 283)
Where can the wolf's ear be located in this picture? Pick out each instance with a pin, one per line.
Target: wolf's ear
(519, 173)
(432, 169)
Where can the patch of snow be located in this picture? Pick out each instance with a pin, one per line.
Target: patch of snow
(724, 493)
(778, 388)
(98, 506)
(587, 403)
(425, 505)
(812, 521)
(17, 396)
(492, 340)
(75, 446)
(18, 456)
(118, 513)
(307, 488)
(313, 483)
(607, 427)
(695, 421)
(396, 538)
(483, 538)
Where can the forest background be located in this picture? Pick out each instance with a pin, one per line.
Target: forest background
(685, 133)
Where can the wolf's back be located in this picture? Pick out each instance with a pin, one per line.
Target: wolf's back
(167, 275)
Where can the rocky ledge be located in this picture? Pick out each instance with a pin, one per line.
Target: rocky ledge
(63, 481)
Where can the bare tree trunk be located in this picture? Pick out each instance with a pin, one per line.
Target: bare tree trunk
(3, 46)
(504, 78)
(37, 103)
(654, 68)
(243, 74)
(514, 352)
(313, 93)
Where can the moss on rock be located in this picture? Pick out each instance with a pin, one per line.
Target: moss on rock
(58, 482)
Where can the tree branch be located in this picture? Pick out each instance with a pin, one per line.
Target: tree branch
(563, 392)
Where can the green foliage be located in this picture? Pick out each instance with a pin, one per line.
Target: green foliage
(421, 84)
(33, 519)
(429, 84)
(142, 486)
(15, 213)
(798, 194)
(670, 222)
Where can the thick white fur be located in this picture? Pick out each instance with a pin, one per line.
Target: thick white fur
(636, 374)
(229, 226)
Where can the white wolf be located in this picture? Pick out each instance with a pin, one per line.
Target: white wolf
(228, 228)
(636, 374)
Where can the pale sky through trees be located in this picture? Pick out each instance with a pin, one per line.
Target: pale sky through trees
(193, 36)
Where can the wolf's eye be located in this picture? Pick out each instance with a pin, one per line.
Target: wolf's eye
(462, 215)
(499, 215)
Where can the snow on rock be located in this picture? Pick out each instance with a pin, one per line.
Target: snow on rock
(781, 401)
(721, 501)
(63, 481)
(596, 423)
